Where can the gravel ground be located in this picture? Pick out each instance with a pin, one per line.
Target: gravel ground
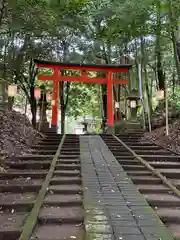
(171, 142)
(16, 134)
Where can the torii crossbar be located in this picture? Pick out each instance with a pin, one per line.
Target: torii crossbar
(56, 77)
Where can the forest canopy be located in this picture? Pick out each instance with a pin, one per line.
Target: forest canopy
(142, 33)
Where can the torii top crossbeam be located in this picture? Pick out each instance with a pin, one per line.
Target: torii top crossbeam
(84, 68)
(81, 66)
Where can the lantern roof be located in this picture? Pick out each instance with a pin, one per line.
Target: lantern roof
(134, 95)
(83, 123)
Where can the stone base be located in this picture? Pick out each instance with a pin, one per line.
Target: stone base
(110, 130)
(46, 129)
(4, 106)
(43, 125)
(133, 126)
(53, 128)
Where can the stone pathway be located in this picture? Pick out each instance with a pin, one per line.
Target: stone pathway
(114, 208)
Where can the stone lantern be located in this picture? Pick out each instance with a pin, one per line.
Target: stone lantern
(133, 100)
(133, 124)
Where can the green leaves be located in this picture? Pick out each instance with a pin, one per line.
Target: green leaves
(83, 100)
(103, 31)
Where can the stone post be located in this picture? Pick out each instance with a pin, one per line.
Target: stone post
(133, 124)
(133, 110)
(3, 95)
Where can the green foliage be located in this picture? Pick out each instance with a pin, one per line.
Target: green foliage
(90, 31)
(174, 98)
(120, 127)
(84, 100)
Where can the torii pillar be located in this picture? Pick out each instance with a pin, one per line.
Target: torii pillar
(55, 99)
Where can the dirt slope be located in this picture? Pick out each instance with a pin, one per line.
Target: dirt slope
(16, 134)
(172, 141)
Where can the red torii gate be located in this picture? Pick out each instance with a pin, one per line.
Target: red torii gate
(56, 77)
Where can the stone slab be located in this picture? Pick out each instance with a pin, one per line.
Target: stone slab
(114, 208)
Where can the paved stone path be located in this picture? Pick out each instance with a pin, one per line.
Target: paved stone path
(114, 207)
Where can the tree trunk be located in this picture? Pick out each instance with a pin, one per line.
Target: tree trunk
(136, 63)
(119, 117)
(174, 84)
(117, 96)
(10, 103)
(175, 41)
(63, 102)
(143, 63)
(3, 95)
(33, 111)
(2, 9)
(63, 105)
(160, 74)
(33, 106)
(104, 99)
(178, 49)
(176, 57)
(3, 83)
(147, 90)
(62, 122)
